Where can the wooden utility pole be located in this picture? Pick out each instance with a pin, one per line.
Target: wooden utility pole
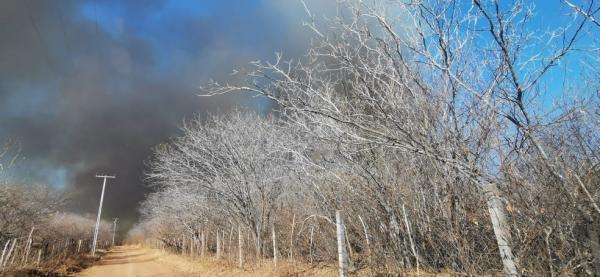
(99, 211)
(114, 229)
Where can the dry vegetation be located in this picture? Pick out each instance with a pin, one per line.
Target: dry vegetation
(226, 267)
(35, 237)
(414, 137)
(424, 124)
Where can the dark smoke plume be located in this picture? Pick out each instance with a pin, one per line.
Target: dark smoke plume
(90, 87)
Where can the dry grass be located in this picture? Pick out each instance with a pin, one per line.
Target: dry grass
(63, 267)
(224, 267)
(211, 266)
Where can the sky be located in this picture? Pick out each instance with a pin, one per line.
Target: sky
(91, 86)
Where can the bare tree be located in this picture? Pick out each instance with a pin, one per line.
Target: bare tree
(425, 123)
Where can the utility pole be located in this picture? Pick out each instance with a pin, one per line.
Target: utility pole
(99, 211)
(114, 229)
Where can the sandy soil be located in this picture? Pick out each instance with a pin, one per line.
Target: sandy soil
(129, 261)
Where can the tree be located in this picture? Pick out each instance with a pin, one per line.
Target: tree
(237, 165)
(449, 83)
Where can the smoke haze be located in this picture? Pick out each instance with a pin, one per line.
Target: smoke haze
(90, 87)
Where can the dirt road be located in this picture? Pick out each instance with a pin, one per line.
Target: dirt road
(132, 261)
(129, 261)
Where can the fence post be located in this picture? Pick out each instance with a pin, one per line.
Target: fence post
(229, 243)
(310, 247)
(39, 256)
(202, 244)
(183, 244)
(341, 244)
(274, 243)
(501, 228)
(218, 244)
(192, 245)
(292, 238)
(241, 259)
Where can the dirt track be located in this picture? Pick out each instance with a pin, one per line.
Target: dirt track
(131, 261)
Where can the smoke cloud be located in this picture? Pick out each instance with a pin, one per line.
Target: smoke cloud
(90, 87)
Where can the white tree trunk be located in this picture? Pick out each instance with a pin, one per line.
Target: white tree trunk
(27, 246)
(501, 228)
(258, 242)
(367, 241)
(4, 252)
(341, 244)
(229, 243)
(192, 245)
(13, 252)
(410, 239)
(12, 247)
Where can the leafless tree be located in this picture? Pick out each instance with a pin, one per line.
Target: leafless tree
(425, 122)
(238, 165)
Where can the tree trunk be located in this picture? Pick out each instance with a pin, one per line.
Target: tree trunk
(410, 239)
(594, 234)
(229, 243)
(192, 245)
(27, 247)
(4, 252)
(368, 243)
(10, 251)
